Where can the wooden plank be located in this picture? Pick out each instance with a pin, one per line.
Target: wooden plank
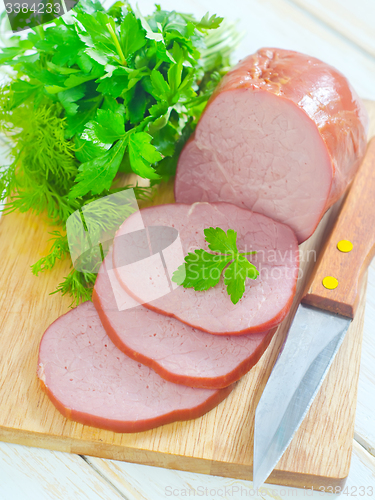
(362, 473)
(36, 474)
(141, 482)
(220, 443)
(365, 416)
(353, 20)
(279, 23)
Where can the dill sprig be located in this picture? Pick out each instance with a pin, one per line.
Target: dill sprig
(44, 166)
(59, 250)
(78, 285)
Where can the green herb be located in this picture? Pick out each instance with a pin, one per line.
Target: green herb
(44, 168)
(96, 93)
(78, 285)
(202, 270)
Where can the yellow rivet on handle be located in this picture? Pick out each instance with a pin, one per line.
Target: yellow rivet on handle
(345, 246)
(330, 282)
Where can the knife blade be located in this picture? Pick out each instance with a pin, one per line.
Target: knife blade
(320, 324)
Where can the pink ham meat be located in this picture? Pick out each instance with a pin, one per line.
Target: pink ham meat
(90, 381)
(176, 351)
(266, 300)
(283, 135)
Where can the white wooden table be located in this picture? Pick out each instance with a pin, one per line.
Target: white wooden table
(342, 33)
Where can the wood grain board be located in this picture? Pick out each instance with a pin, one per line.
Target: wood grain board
(219, 443)
(339, 16)
(365, 414)
(47, 475)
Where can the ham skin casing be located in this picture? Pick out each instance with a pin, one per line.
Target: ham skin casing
(177, 352)
(282, 135)
(266, 300)
(92, 382)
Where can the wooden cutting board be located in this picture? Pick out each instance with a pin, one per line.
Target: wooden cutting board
(220, 442)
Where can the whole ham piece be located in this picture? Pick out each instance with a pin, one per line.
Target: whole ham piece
(266, 300)
(176, 351)
(90, 381)
(283, 135)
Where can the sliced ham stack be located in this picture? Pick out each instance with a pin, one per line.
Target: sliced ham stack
(130, 369)
(90, 381)
(176, 351)
(266, 300)
(283, 135)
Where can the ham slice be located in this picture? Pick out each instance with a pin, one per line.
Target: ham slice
(174, 350)
(283, 135)
(90, 381)
(266, 300)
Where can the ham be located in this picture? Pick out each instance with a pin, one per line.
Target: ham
(283, 135)
(90, 381)
(266, 300)
(177, 352)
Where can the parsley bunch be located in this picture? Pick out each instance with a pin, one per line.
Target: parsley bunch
(98, 93)
(202, 270)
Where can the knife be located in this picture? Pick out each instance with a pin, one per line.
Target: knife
(320, 324)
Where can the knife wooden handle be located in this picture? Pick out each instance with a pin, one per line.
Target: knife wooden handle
(342, 271)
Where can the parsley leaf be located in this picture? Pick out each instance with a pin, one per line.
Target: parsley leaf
(160, 86)
(137, 104)
(69, 98)
(97, 30)
(235, 276)
(132, 35)
(113, 85)
(164, 138)
(202, 270)
(222, 242)
(86, 111)
(88, 146)
(208, 22)
(21, 91)
(108, 126)
(97, 175)
(142, 154)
